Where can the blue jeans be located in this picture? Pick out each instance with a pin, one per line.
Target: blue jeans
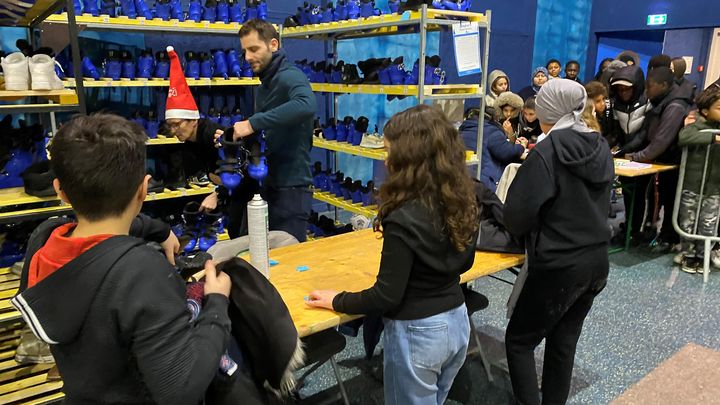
(423, 356)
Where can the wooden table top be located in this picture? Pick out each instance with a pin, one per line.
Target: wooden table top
(348, 262)
(627, 172)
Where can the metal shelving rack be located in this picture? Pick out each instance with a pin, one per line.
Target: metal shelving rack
(410, 22)
(42, 14)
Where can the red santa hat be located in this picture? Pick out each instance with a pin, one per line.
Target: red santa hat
(180, 102)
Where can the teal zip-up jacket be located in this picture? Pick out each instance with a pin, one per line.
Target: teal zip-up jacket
(285, 108)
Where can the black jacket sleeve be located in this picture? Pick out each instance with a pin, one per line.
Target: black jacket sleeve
(532, 187)
(389, 289)
(177, 359)
(635, 143)
(667, 132)
(149, 229)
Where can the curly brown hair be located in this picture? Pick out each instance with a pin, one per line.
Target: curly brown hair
(426, 163)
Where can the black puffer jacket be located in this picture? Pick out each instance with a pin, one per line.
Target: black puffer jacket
(630, 116)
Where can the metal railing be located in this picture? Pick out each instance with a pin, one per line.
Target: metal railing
(708, 240)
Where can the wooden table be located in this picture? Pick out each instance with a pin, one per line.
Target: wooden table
(627, 172)
(348, 262)
(631, 189)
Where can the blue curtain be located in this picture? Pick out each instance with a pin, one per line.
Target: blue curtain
(561, 32)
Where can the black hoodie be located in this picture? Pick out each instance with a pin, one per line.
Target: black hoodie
(663, 123)
(560, 199)
(630, 115)
(118, 326)
(419, 271)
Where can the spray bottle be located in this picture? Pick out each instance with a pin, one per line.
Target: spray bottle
(257, 210)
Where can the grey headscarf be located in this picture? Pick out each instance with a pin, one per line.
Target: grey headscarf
(561, 102)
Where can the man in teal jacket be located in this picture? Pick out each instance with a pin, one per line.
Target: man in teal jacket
(284, 108)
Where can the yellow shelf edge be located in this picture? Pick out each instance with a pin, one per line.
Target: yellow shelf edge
(413, 17)
(167, 194)
(375, 154)
(164, 83)
(328, 198)
(59, 97)
(141, 23)
(163, 140)
(396, 90)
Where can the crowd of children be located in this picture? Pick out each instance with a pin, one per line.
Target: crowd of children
(640, 115)
(131, 309)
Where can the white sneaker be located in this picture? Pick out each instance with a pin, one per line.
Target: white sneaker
(372, 141)
(42, 70)
(359, 222)
(15, 68)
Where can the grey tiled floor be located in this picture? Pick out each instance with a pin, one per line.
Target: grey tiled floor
(647, 312)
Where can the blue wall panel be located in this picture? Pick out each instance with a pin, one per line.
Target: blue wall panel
(561, 32)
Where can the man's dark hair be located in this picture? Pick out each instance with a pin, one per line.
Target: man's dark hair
(552, 61)
(679, 67)
(659, 61)
(266, 31)
(99, 161)
(572, 62)
(595, 88)
(661, 75)
(707, 98)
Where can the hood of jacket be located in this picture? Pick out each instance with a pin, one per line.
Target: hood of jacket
(687, 89)
(493, 76)
(56, 319)
(635, 76)
(427, 238)
(470, 124)
(676, 94)
(626, 56)
(584, 154)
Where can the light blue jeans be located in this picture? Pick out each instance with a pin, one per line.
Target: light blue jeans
(423, 356)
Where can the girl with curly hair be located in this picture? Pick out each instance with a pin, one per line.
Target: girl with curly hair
(428, 218)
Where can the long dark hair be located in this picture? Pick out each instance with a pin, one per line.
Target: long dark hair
(426, 163)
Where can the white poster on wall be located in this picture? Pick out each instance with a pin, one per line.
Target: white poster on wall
(688, 64)
(466, 38)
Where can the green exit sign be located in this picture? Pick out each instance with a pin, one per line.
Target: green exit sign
(657, 19)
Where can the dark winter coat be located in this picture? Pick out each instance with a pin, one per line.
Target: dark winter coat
(493, 236)
(662, 125)
(497, 152)
(697, 143)
(560, 199)
(630, 116)
(118, 325)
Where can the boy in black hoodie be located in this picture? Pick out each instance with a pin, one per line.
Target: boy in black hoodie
(669, 106)
(112, 309)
